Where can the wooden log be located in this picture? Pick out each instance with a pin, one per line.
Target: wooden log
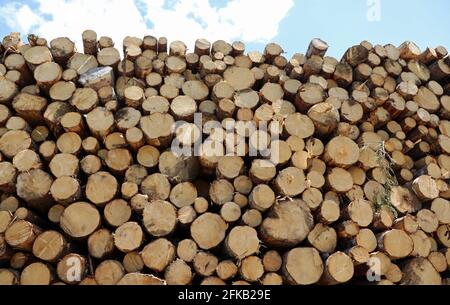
(80, 219)
(50, 246)
(36, 274)
(109, 272)
(302, 266)
(128, 237)
(242, 242)
(21, 235)
(158, 254)
(208, 230)
(419, 271)
(251, 269)
(178, 273)
(154, 223)
(89, 38)
(71, 269)
(396, 243)
(273, 229)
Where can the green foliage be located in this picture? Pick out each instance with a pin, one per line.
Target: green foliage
(383, 197)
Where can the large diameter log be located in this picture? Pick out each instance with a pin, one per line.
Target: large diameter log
(288, 224)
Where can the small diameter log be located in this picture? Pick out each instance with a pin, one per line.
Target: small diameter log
(128, 237)
(425, 188)
(396, 243)
(239, 78)
(205, 263)
(360, 211)
(89, 38)
(290, 182)
(272, 261)
(132, 262)
(226, 270)
(427, 220)
(262, 171)
(408, 223)
(8, 177)
(157, 129)
(62, 49)
(422, 244)
(100, 122)
(208, 230)
(242, 242)
(109, 272)
(186, 250)
(302, 266)
(339, 180)
(178, 273)
(21, 235)
(8, 277)
(221, 192)
(262, 198)
(159, 218)
(36, 56)
(36, 274)
(317, 47)
(118, 160)
(339, 269)
(156, 186)
(251, 269)
(230, 167)
(117, 212)
(65, 190)
(72, 269)
(101, 244)
(158, 254)
(342, 152)
(294, 215)
(101, 188)
(80, 219)
(50, 246)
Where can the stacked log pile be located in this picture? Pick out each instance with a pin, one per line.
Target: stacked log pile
(349, 182)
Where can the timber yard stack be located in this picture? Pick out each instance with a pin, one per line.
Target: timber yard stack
(302, 170)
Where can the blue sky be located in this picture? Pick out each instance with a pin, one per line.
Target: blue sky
(292, 23)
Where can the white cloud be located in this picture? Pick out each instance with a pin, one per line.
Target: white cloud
(247, 20)
(187, 20)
